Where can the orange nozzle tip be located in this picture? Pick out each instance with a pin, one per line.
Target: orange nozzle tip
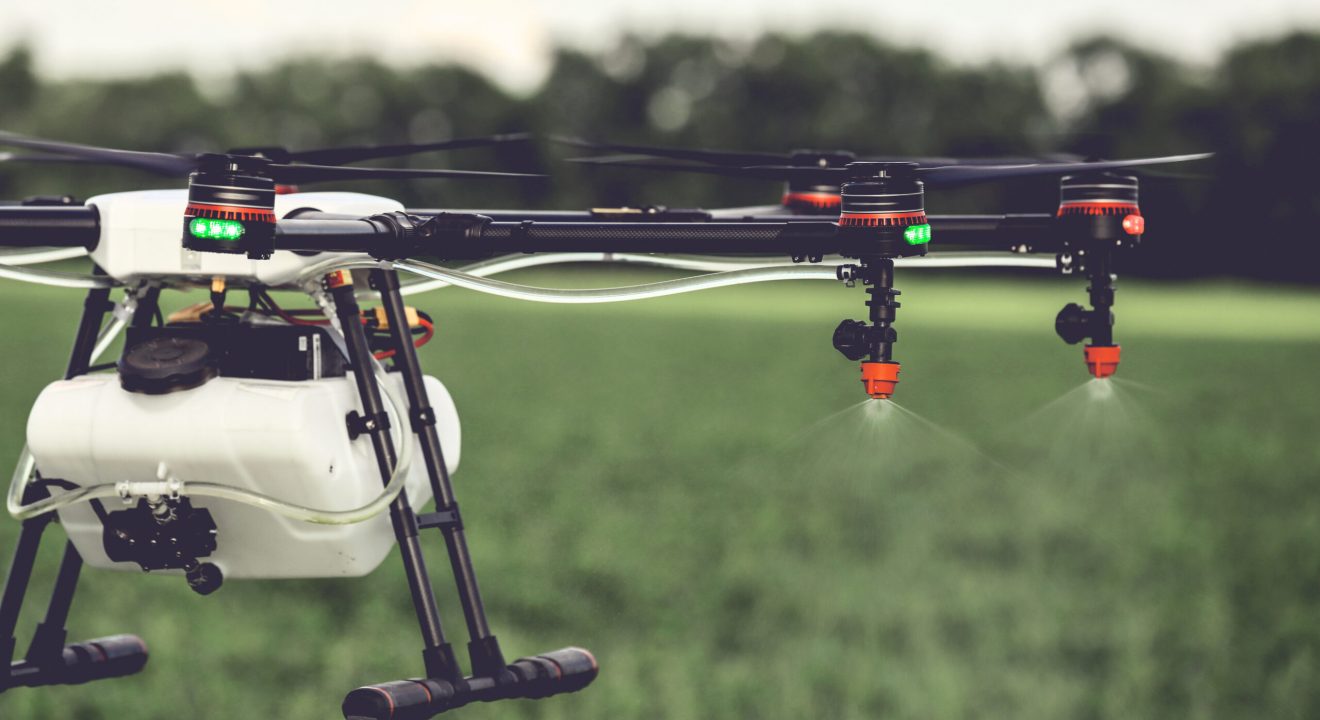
(879, 379)
(1102, 360)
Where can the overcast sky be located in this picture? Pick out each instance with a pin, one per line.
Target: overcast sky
(511, 40)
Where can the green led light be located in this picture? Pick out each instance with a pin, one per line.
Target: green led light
(213, 229)
(917, 234)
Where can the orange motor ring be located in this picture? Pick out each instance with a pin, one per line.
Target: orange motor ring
(879, 379)
(882, 211)
(1102, 360)
(812, 202)
(231, 207)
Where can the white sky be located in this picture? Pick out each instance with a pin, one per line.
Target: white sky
(511, 40)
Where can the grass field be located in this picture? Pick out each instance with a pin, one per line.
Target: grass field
(662, 482)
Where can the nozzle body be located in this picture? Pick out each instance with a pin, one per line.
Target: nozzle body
(879, 379)
(1102, 360)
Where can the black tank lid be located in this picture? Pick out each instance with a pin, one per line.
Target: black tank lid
(167, 364)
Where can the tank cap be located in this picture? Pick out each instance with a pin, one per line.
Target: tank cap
(161, 365)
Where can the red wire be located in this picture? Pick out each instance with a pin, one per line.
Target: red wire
(428, 329)
(428, 332)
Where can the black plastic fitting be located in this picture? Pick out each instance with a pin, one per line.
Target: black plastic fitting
(100, 659)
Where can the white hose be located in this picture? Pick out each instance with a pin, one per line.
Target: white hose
(720, 272)
(117, 325)
(619, 294)
(328, 517)
(26, 465)
(509, 263)
(33, 257)
(57, 279)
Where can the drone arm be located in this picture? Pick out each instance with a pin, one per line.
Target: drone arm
(397, 236)
(331, 235)
(736, 238)
(37, 226)
(1033, 233)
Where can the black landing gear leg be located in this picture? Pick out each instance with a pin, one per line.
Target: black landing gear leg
(49, 661)
(444, 687)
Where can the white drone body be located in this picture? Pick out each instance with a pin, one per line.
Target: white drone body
(284, 439)
(141, 238)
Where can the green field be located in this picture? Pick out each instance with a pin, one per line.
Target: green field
(662, 482)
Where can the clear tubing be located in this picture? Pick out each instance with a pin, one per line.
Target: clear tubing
(731, 272)
(56, 279)
(41, 256)
(619, 294)
(721, 272)
(27, 464)
(508, 263)
(705, 264)
(117, 325)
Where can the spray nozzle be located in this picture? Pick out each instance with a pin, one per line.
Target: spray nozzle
(1102, 360)
(879, 379)
(1075, 324)
(873, 342)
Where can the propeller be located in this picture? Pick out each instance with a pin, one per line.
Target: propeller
(279, 169)
(8, 157)
(935, 176)
(351, 154)
(805, 157)
(715, 157)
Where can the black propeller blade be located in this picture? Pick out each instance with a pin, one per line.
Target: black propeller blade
(159, 163)
(296, 174)
(965, 174)
(936, 176)
(809, 158)
(343, 155)
(715, 157)
(177, 165)
(8, 157)
(824, 175)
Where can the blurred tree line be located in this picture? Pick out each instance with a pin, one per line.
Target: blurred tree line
(1252, 211)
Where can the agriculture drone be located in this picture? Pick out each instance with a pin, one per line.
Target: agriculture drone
(252, 441)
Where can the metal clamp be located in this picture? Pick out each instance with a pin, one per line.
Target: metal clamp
(421, 418)
(359, 424)
(443, 519)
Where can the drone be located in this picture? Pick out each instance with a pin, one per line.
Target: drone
(255, 441)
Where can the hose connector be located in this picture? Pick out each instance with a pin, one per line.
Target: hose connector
(879, 379)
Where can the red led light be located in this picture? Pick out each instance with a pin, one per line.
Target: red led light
(1134, 224)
